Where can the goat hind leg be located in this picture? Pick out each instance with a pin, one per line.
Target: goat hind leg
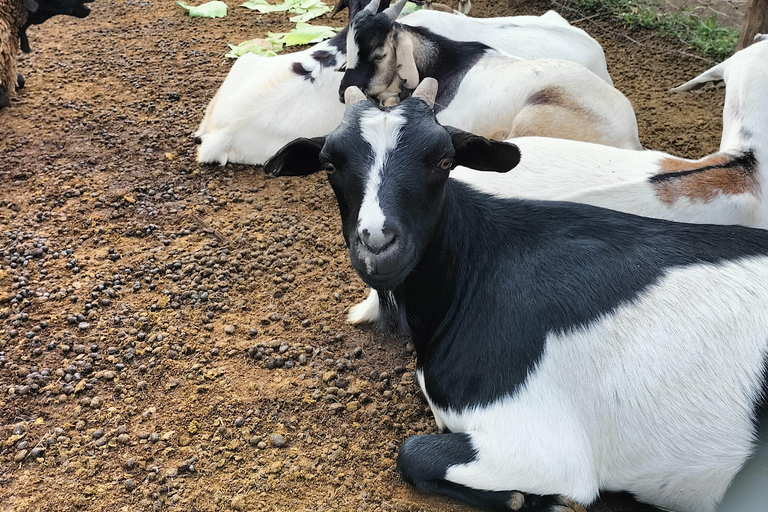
(423, 461)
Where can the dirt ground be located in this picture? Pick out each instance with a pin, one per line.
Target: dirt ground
(173, 334)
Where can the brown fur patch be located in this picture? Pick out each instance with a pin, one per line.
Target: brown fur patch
(705, 179)
(556, 97)
(557, 122)
(552, 112)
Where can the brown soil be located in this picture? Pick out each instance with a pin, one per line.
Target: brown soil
(96, 153)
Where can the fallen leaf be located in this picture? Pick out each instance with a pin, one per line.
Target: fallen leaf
(215, 9)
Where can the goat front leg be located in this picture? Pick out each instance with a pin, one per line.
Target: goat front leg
(424, 462)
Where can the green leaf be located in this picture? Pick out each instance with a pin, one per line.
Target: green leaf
(409, 8)
(305, 33)
(276, 38)
(294, 6)
(312, 13)
(263, 7)
(261, 47)
(215, 9)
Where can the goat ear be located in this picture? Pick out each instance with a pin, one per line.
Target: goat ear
(713, 74)
(482, 154)
(297, 158)
(30, 5)
(406, 62)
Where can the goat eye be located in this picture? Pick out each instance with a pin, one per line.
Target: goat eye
(446, 164)
(329, 168)
(378, 58)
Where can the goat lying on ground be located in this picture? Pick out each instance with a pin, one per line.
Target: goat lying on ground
(264, 103)
(727, 187)
(16, 16)
(565, 348)
(482, 90)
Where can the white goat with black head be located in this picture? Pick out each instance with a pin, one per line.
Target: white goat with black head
(485, 91)
(563, 348)
(265, 102)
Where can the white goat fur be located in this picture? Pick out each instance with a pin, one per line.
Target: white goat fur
(583, 107)
(566, 170)
(262, 105)
(675, 450)
(619, 179)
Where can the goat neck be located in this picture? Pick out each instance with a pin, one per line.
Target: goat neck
(745, 116)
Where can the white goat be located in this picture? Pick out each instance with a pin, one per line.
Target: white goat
(264, 103)
(483, 91)
(726, 187)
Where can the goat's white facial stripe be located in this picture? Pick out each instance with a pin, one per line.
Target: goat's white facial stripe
(351, 48)
(381, 130)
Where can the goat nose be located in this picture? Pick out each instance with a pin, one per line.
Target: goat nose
(377, 243)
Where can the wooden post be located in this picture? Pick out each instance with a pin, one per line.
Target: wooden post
(755, 21)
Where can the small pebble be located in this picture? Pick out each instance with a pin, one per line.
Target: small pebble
(278, 441)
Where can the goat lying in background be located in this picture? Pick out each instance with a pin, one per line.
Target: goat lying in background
(727, 187)
(564, 348)
(265, 102)
(482, 90)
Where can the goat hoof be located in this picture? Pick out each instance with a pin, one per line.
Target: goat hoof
(4, 100)
(516, 501)
(20, 81)
(566, 505)
(198, 140)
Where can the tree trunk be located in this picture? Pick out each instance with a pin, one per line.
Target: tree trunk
(755, 21)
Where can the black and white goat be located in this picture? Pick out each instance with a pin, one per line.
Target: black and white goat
(484, 91)
(564, 348)
(266, 102)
